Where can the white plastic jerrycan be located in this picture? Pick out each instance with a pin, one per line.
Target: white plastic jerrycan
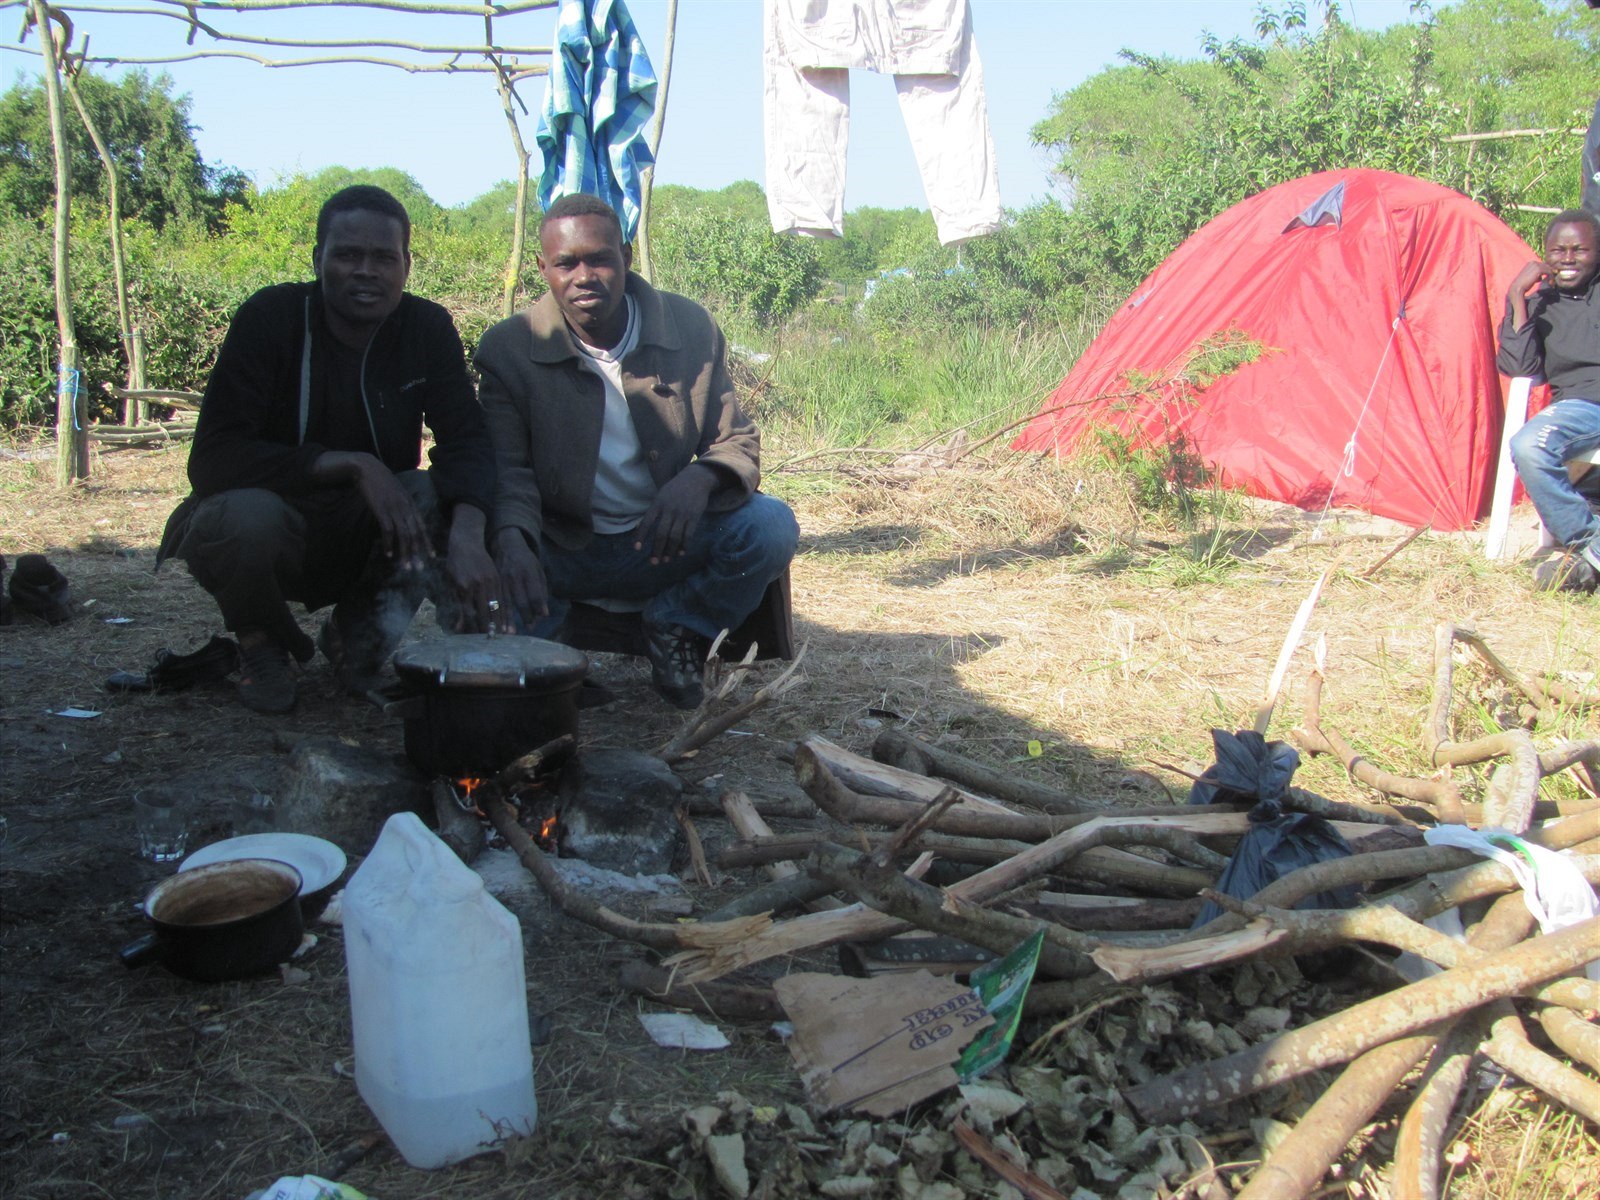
(438, 1004)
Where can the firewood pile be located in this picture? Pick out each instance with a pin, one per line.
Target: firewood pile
(1161, 1032)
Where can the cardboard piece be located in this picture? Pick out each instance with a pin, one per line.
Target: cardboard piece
(878, 1045)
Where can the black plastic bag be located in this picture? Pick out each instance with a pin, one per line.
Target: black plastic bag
(1249, 767)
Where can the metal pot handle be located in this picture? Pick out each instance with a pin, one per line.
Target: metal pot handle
(407, 708)
(470, 678)
(141, 951)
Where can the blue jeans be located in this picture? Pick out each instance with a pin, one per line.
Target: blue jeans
(713, 586)
(1540, 449)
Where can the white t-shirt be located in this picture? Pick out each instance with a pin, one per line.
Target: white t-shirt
(623, 485)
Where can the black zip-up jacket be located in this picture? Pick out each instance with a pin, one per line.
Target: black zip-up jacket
(1560, 342)
(250, 432)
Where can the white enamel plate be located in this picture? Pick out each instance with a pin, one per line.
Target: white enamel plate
(319, 861)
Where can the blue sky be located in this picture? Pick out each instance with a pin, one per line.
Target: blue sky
(449, 133)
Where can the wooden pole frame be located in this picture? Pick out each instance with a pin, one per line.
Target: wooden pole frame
(647, 266)
(59, 63)
(519, 220)
(72, 443)
(133, 412)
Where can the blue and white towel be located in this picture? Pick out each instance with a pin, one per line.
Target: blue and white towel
(599, 100)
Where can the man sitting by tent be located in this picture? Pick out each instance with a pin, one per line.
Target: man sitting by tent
(305, 461)
(1552, 329)
(627, 470)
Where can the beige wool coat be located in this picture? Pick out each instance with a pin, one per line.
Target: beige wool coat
(545, 412)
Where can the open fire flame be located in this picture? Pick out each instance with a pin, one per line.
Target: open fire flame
(463, 789)
(546, 837)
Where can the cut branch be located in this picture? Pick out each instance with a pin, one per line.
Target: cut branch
(1312, 737)
(1063, 956)
(820, 929)
(1301, 932)
(1341, 1037)
(1299, 1162)
(725, 1001)
(1421, 1138)
(703, 724)
(664, 938)
(1508, 1046)
(899, 749)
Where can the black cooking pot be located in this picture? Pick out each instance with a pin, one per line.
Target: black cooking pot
(477, 702)
(227, 920)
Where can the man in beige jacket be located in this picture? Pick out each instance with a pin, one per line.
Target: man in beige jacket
(626, 469)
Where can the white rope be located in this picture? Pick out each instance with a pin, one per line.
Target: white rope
(1347, 465)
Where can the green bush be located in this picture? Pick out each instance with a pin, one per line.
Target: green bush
(735, 265)
(29, 345)
(1166, 478)
(1019, 277)
(27, 326)
(184, 286)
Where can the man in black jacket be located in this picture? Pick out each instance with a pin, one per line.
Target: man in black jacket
(1552, 330)
(305, 462)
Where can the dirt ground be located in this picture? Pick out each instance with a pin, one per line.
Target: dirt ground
(1013, 610)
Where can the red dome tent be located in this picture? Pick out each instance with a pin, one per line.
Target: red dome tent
(1375, 297)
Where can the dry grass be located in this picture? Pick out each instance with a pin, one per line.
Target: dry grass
(1003, 602)
(1515, 1145)
(1037, 609)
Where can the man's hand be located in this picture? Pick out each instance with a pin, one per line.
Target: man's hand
(521, 576)
(471, 571)
(1533, 276)
(669, 523)
(400, 527)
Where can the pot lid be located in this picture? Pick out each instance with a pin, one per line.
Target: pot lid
(479, 660)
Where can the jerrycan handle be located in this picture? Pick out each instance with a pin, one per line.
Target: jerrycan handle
(437, 875)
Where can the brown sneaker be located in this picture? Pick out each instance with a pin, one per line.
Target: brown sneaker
(265, 683)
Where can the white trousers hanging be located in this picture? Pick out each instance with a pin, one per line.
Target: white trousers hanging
(806, 114)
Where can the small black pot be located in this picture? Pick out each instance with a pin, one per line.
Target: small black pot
(227, 920)
(477, 703)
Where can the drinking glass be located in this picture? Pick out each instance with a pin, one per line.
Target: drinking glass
(161, 815)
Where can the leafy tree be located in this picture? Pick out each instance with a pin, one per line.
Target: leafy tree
(273, 228)
(493, 214)
(148, 132)
(872, 240)
(1522, 64)
(1105, 130)
(1151, 151)
(718, 247)
(744, 201)
(1010, 279)
(178, 297)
